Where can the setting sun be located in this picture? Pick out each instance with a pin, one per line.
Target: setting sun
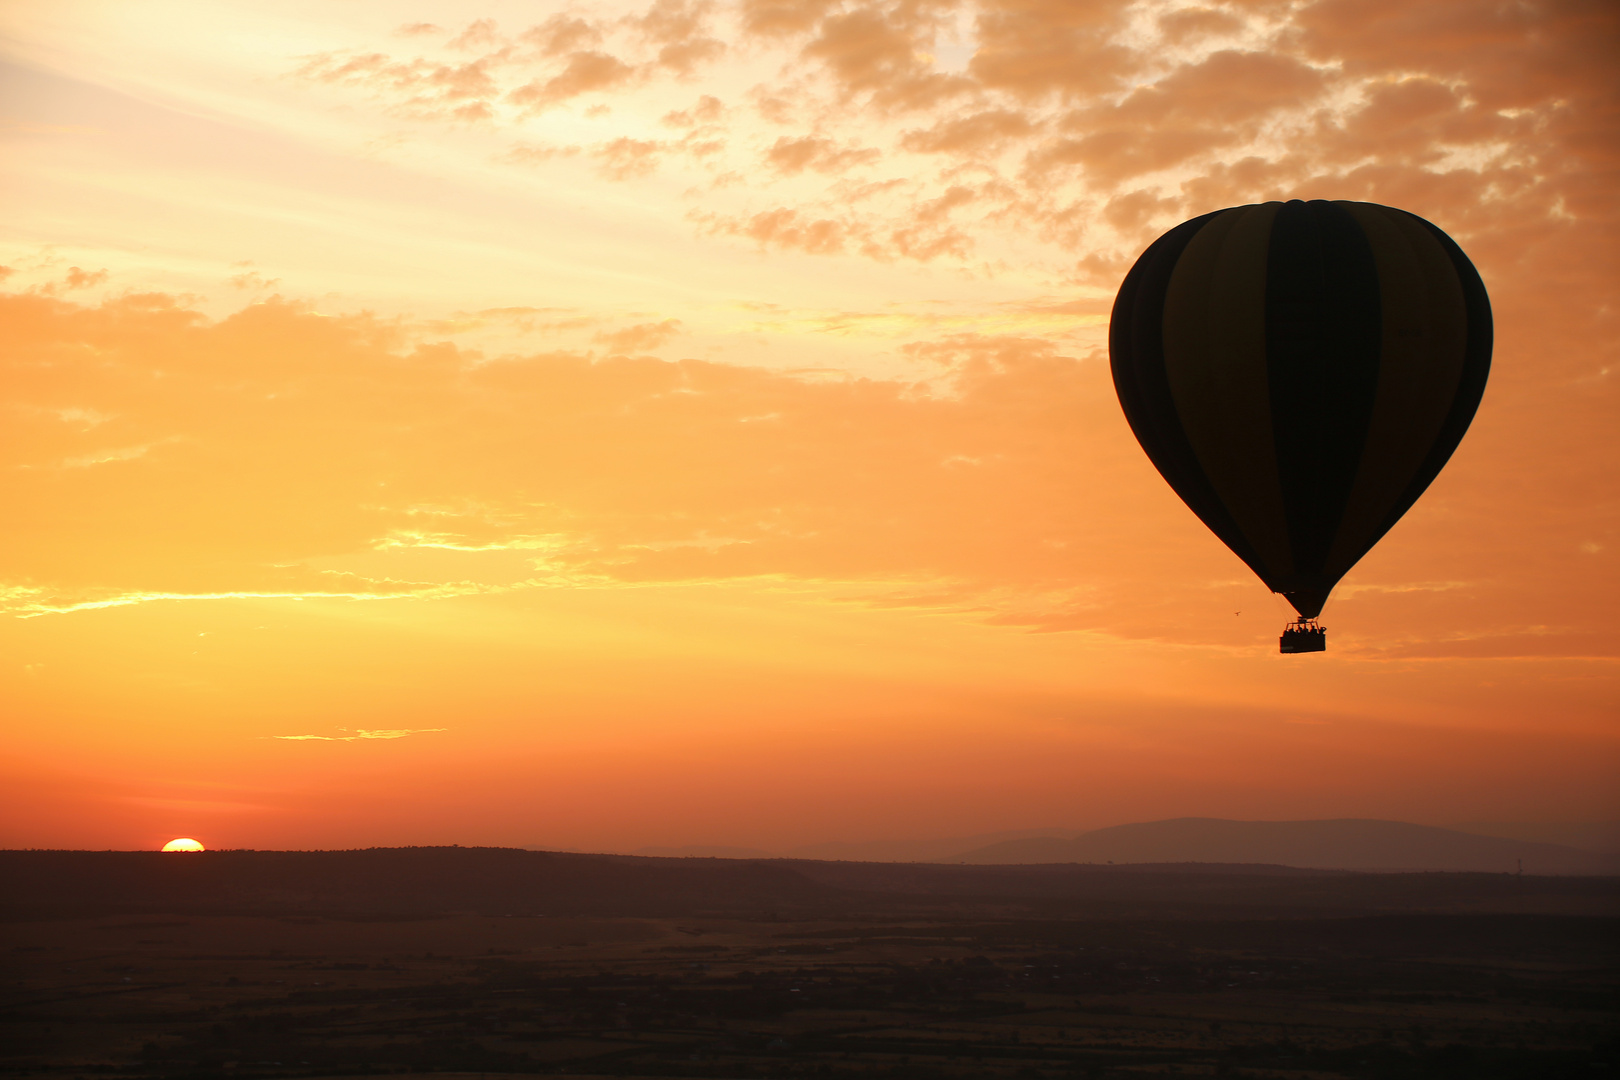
(185, 843)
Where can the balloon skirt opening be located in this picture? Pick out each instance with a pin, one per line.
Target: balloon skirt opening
(1306, 635)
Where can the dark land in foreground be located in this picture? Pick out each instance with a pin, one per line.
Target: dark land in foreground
(486, 961)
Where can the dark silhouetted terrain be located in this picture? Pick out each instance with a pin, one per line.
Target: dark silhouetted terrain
(393, 881)
(508, 881)
(479, 962)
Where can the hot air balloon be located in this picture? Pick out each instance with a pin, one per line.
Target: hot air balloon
(1299, 373)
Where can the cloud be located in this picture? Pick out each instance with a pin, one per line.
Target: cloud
(561, 35)
(926, 233)
(330, 436)
(1037, 50)
(252, 280)
(83, 279)
(686, 56)
(680, 30)
(1031, 144)
(773, 18)
(1220, 102)
(794, 155)
(554, 62)
(418, 87)
(787, 228)
(75, 278)
(706, 110)
(102, 457)
(317, 457)
(1083, 129)
(1134, 209)
(586, 72)
(881, 52)
(527, 153)
(523, 316)
(255, 583)
(1190, 23)
(641, 337)
(625, 159)
(480, 33)
(361, 734)
(980, 131)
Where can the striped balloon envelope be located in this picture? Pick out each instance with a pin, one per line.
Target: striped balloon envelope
(1300, 372)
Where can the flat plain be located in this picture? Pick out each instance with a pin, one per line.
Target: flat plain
(879, 983)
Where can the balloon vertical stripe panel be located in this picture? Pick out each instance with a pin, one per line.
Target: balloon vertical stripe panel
(1425, 331)
(1136, 348)
(1479, 338)
(1323, 332)
(1215, 360)
(1299, 373)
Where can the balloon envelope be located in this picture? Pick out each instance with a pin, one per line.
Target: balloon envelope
(1300, 372)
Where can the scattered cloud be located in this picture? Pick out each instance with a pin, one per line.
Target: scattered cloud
(641, 337)
(251, 280)
(1084, 128)
(586, 72)
(679, 28)
(791, 155)
(988, 130)
(416, 88)
(1033, 143)
(787, 228)
(480, 33)
(623, 159)
(83, 279)
(1003, 485)
(706, 110)
(75, 278)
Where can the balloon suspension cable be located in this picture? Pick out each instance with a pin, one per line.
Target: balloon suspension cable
(1303, 635)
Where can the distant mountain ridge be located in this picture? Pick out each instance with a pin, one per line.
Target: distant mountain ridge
(1341, 844)
(940, 850)
(937, 849)
(1603, 836)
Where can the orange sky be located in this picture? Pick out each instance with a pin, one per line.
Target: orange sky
(597, 426)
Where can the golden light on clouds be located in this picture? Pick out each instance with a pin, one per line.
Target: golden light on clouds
(486, 425)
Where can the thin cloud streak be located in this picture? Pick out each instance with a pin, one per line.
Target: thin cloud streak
(17, 600)
(360, 735)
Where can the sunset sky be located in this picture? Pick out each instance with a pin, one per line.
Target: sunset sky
(603, 425)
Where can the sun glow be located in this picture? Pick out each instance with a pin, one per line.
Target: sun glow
(185, 843)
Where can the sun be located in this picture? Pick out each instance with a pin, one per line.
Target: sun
(185, 843)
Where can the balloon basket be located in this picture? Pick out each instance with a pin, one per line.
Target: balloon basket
(1303, 635)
